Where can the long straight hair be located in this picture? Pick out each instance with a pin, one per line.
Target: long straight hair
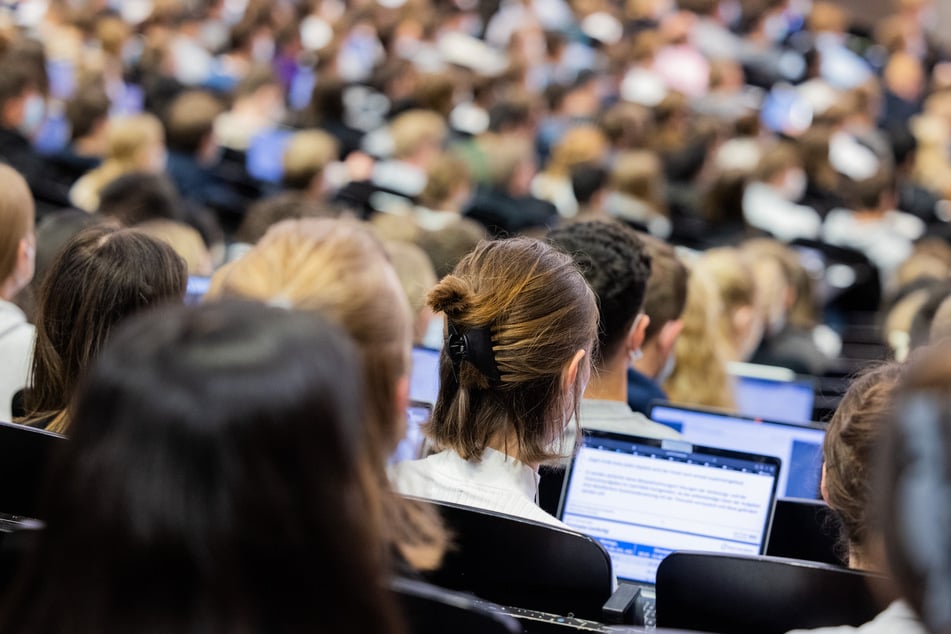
(103, 275)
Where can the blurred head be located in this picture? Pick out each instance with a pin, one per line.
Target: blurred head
(616, 265)
(139, 197)
(190, 121)
(531, 322)
(88, 110)
(848, 454)
(17, 240)
(741, 322)
(136, 142)
(913, 485)
(448, 184)
(213, 464)
(664, 300)
(185, 240)
(417, 278)
(101, 277)
(267, 212)
(306, 156)
(640, 174)
(418, 136)
(583, 144)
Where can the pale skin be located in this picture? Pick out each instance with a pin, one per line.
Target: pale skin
(609, 383)
(23, 272)
(657, 350)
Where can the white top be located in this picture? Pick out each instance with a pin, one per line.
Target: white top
(887, 242)
(898, 618)
(765, 209)
(16, 354)
(497, 483)
(617, 417)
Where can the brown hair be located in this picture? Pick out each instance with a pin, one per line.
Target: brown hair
(539, 312)
(666, 293)
(446, 175)
(848, 451)
(339, 268)
(190, 119)
(101, 277)
(17, 212)
(640, 174)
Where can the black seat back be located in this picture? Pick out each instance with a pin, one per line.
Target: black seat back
(804, 529)
(25, 453)
(518, 562)
(431, 610)
(736, 594)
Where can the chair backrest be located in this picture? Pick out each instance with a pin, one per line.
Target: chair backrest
(518, 562)
(804, 529)
(432, 610)
(25, 453)
(740, 594)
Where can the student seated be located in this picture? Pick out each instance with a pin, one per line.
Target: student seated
(521, 324)
(849, 483)
(200, 492)
(616, 265)
(17, 262)
(102, 276)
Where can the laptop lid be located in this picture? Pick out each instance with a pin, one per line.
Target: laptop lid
(798, 446)
(643, 499)
(790, 401)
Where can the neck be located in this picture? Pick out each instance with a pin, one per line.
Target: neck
(506, 442)
(9, 288)
(651, 363)
(609, 383)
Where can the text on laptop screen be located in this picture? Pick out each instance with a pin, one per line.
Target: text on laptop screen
(798, 446)
(644, 499)
(775, 400)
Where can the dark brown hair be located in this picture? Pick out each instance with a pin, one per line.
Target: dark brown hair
(666, 294)
(102, 276)
(539, 310)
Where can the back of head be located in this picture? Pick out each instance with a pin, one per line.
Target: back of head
(213, 465)
(525, 311)
(138, 197)
(185, 240)
(639, 174)
(732, 274)
(848, 454)
(17, 212)
(129, 136)
(306, 156)
(88, 108)
(582, 144)
(666, 294)
(338, 267)
(447, 246)
(190, 120)
(267, 212)
(616, 265)
(913, 487)
(101, 277)
(415, 129)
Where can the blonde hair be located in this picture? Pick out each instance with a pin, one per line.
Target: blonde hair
(186, 242)
(700, 375)
(306, 156)
(640, 174)
(17, 217)
(127, 139)
(538, 311)
(582, 144)
(417, 278)
(735, 283)
(338, 267)
(414, 129)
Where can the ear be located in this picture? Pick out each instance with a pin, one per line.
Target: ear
(635, 338)
(570, 374)
(823, 491)
(667, 336)
(742, 319)
(26, 259)
(402, 393)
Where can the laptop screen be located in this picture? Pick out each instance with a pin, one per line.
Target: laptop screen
(424, 378)
(798, 446)
(775, 400)
(643, 499)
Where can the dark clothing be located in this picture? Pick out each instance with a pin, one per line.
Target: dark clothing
(792, 348)
(641, 391)
(226, 189)
(503, 214)
(70, 167)
(50, 193)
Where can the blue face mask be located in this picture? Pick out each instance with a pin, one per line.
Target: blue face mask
(34, 112)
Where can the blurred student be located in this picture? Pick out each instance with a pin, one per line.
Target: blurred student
(200, 492)
(17, 262)
(521, 324)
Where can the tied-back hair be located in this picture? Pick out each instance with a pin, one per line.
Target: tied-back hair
(539, 311)
(338, 267)
(102, 276)
(211, 484)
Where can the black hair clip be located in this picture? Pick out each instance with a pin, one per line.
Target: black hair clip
(474, 346)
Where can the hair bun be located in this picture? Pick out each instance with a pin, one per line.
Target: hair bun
(452, 296)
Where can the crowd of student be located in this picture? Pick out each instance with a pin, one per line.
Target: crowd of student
(588, 205)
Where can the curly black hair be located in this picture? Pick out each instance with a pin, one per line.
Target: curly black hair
(617, 265)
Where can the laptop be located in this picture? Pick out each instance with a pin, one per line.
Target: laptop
(195, 290)
(773, 393)
(412, 446)
(643, 499)
(798, 446)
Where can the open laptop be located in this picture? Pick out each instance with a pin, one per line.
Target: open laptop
(798, 446)
(424, 377)
(411, 447)
(643, 499)
(773, 393)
